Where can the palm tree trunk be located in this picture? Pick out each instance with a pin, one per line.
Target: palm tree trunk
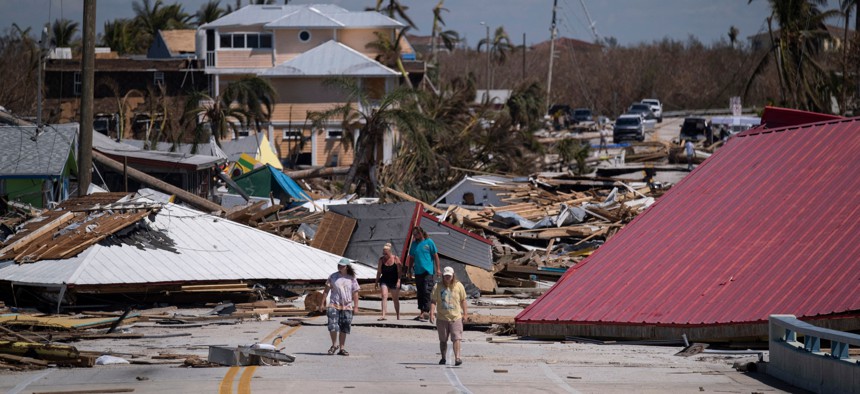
(844, 97)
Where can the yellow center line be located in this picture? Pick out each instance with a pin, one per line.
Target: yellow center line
(245, 380)
(226, 386)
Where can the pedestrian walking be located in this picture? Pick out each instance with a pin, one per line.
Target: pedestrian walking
(388, 272)
(424, 262)
(691, 153)
(604, 141)
(342, 305)
(449, 299)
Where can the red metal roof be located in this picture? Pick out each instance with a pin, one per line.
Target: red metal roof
(769, 224)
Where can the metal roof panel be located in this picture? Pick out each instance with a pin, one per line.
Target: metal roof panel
(769, 224)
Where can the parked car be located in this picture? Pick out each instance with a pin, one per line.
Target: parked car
(656, 107)
(628, 127)
(697, 129)
(644, 109)
(581, 115)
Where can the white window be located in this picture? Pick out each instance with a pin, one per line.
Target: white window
(304, 36)
(245, 40)
(77, 83)
(333, 133)
(292, 134)
(158, 78)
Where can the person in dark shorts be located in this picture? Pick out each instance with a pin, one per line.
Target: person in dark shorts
(424, 261)
(388, 273)
(342, 305)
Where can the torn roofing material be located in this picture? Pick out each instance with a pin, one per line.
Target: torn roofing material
(769, 224)
(380, 223)
(183, 245)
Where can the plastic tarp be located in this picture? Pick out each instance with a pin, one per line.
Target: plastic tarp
(289, 185)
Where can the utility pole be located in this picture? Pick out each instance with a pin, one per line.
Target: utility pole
(553, 32)
(487, 48)
(85, 145)
(524, 56)
(44, 46)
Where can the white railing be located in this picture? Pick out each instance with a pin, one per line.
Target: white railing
(804, 364)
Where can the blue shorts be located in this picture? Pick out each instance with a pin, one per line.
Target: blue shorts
(339, 320)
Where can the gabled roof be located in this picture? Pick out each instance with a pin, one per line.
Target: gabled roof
(301, 16)
(183, 245)
(108, 146)
(28, 152)
(179, 41)
(304, 18)
(330, 59)
(768, 225)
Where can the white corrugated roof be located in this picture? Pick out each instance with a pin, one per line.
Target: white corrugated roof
(330, 59)
(304, 15)
(195, 247)
(107, 145)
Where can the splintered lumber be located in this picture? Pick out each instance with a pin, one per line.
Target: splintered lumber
(60, 354)
(482, 279)
(476, 319)
(23, 360)
(25, 240)
(217, 288)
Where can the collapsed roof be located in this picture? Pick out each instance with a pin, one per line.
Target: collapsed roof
(175, 245)
(768, 225)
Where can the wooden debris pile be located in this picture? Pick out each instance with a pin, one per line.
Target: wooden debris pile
(73, 227)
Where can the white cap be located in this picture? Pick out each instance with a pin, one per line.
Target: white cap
(344, 261)
(448, 271)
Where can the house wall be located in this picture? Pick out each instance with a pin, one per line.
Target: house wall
(305, 90)
(330, 151)
(288, 45)
(359, 38)
(244, 58)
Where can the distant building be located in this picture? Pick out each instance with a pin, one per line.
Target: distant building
(172, 44)
(298, 47)
(832, 40)
(122, 82)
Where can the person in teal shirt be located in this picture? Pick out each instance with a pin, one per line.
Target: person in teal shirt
(424, 261)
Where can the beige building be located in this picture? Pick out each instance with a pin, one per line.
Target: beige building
(298, 47)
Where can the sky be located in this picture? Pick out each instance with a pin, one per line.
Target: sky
(629, 21)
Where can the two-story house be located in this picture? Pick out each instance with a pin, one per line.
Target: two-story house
(298, 47)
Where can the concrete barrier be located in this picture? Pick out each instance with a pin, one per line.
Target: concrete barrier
(804, 364)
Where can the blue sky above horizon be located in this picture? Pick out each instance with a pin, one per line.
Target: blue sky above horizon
(629, 21)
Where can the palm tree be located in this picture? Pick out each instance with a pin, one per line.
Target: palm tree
(151, 17)
(804, 84)
(246, 101)
(372, 120)
(389, 51)
(733, 35)
(499, 46)
(119, 36)
(394, 8)
(209, 12)
(63, 32)
(845, 7)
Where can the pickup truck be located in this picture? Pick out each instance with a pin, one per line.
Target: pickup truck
(656, 108)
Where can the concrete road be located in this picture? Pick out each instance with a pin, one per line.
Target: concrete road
(402, 357)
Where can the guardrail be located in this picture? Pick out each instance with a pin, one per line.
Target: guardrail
(707, 112)
(804, 364)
